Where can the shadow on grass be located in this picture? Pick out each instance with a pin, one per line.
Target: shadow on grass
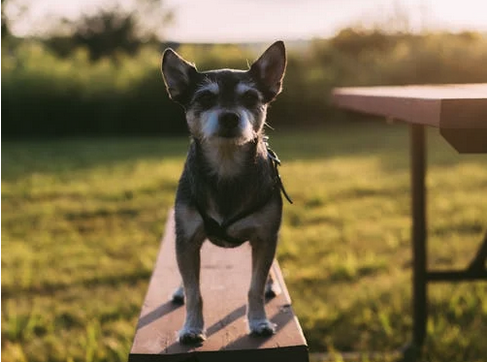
(370, 324)
(51, 288)
(390, 143)
(25, 157)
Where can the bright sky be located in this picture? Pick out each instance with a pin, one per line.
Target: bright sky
(265, 20)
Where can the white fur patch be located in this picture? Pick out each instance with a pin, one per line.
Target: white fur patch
(262, 326)
(247, 122)
(209, 123)
(244, 87)
(210, 87)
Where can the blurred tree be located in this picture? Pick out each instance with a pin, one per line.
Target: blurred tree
(113, 29)
(5, 30)
(355, 41)
(106, 33)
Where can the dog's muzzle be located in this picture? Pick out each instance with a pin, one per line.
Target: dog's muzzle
(228, 125)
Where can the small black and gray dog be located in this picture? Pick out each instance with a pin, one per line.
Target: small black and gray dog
(229, 191)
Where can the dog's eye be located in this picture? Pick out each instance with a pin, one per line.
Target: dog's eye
(206, 99)
(250, 97)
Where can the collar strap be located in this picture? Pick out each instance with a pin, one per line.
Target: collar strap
(276, 162)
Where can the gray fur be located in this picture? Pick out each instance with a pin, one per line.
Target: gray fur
(227, 178)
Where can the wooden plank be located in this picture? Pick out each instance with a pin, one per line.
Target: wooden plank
(443, 106)
(225, 278)
(435, 92)
(421, 111)
(459, 111)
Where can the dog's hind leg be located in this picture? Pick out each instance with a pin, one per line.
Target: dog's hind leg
(189, 238)
(270, 289)
(178, 295)
(262, 256)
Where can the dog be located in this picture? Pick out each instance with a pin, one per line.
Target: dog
(230, 190)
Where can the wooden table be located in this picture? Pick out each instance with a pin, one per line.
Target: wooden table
(460, 113)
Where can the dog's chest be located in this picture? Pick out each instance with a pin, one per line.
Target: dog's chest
(228, 186)
(231, 180)
(224, 162)
(215, 212)
(231, 232)
(226, 203)
(235, 211)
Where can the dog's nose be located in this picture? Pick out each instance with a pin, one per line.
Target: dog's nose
(229, 119)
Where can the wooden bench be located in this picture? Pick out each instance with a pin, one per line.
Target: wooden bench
(460, 114)
(225, 277)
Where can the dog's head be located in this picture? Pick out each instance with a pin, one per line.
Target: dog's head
(225, 105)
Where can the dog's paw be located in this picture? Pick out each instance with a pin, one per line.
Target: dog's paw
(178, 296)
(270, 291)
(191, 336)
(262, 327)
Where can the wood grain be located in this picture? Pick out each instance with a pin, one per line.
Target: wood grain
(225, 279)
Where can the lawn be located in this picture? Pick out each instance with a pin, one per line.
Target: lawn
(82, 220)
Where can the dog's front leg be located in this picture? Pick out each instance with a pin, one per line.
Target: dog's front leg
(189, 238)
(262, 256)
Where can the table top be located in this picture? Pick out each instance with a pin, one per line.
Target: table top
(444, 91)
(452, 106)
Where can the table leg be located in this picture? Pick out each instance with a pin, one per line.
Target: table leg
(478, 263)
(418, 208)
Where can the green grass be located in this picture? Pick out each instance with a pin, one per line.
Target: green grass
(82, 219)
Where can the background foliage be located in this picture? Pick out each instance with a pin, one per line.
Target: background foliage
(45, 94)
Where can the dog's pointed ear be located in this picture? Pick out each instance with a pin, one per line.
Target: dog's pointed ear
(177, 74)
(269, 70)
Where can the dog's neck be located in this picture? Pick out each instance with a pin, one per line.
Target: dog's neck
(226, 159)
